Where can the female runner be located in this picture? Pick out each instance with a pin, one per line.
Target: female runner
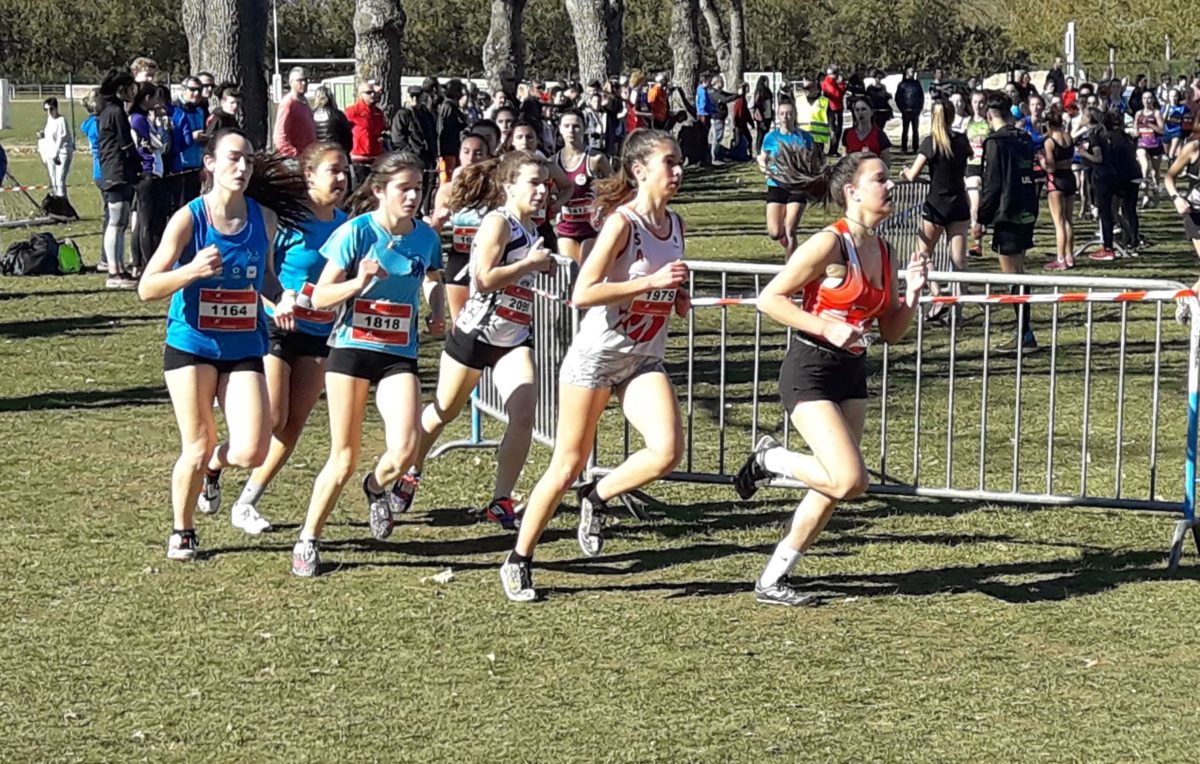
(582, 167)
(494, 330)
(1149, 125)
(214, 263)
(864, 134)
(629, 285)
(525, 138)
(1058, 158)
(378, 263)
(823, 381)
(947, 209)
(785, 207)
(978, 129)
(463, 224)
(295, 361)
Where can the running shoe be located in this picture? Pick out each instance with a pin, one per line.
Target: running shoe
(782, 594)
(503, 512)
(183, 546)
(752, 473)
(517, 580)
(306, 558)
(379, 511)
(1103, 255)
(246, 517)
(1055, 265)
(591, 522)
(403, 492)
(120, 282)
(209, 500)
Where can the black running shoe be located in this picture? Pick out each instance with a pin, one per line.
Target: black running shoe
(752, 474)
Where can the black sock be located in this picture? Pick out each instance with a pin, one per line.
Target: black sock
(592, 495)
(185, 532)
(518, 559)
(212, 474)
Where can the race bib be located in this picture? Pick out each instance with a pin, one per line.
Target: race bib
(578, 212)
(228, 310)
(463, 236)
(516, 304)
(306, 311)
(648, 315)
(381, 322)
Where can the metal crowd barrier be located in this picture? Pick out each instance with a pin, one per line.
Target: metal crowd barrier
(1095, 418)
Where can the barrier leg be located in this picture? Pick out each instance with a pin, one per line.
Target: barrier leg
(1189, 490)
(475, 440)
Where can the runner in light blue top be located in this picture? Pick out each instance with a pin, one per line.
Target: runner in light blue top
(295, 361)
(378, 264)
(785, 207)
(214, 263)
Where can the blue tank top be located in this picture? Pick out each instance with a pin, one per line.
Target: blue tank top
(383, 317)
(222, 317)
(299, 263)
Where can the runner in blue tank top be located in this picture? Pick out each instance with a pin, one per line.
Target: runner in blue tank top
(379, 262)
(295, 362)
(214, 262)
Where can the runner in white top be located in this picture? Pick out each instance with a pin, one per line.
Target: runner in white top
(629, 285)
(494, 329)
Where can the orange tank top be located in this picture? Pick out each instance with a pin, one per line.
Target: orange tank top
(852, 299)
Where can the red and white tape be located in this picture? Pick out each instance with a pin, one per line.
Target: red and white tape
(23, 188)
(1150, 295)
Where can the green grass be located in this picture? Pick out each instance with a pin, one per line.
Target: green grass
(27, 117)
(953, 631)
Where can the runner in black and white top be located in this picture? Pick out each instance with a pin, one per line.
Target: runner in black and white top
(629, 285)
(494, 328)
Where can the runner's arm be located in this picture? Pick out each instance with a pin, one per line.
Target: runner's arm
(490, 241)
(161, 279)
(807, 264)
(591, 289)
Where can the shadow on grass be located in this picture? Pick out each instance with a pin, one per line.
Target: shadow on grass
(51, 293)
(87, 399)
(90, 326)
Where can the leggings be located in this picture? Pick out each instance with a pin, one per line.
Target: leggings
(835, 130)
(1109, 193)
(118, 202)
(150, 220)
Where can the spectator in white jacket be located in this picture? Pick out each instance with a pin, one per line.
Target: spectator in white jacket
(56, 145)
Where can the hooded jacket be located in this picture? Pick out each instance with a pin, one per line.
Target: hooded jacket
(1009, 193)
(119, 160)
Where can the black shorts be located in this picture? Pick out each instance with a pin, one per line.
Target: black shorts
(1063, 182)
(1191, 224)
(371, 365)
(1012, 238)
(472, 352)
(781, 195)
(1153, 151)
(288, 346)
(817, 372)
(974, 171)
(174, 358)
(458, 270)
(960, 213)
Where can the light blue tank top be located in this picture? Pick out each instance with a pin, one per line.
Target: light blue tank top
(299, 263)
(222, 318)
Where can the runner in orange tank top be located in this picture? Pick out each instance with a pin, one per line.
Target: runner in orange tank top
(846, 276)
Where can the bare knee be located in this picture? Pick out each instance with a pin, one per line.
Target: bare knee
(403, 449)
(248, 456)
(563, 470)
(342, 462)
(850, 483)
(195, 453)
(667, 455)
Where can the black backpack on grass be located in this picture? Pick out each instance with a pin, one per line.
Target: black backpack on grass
(36, 257)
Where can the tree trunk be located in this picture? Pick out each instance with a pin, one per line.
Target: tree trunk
(685, 43)
(598, 26)
(504, 50)
(379, 48)
(729, 43)
(229, 39)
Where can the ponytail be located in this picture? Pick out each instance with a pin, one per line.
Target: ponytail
(385, 168)
(804, 170)
(481, 186)
(619, 189)
(274, 181)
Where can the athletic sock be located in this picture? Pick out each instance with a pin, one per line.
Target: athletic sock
(308, 537)
(780, 461)
(783, 559)
(212, 475)
(250, 494)
(367, 484)
(593, 495)
(517, 559)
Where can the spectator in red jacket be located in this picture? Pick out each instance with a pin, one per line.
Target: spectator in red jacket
(295, 127)
(367, 126)
(833, 87)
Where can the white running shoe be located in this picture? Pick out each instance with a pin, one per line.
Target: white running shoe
(246, 517)
(517, 579)
(183, 546)
(209, 501)
(306, 558)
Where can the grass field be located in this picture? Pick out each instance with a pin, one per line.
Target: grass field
(951, 631)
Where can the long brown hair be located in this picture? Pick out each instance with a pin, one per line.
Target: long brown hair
(274, 181)
(481, 186)
(385, 168)
(804, 170)
(639, 147)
